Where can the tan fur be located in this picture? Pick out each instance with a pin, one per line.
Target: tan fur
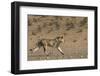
(55, 43)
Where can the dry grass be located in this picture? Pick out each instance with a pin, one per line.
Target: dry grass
(74, 30)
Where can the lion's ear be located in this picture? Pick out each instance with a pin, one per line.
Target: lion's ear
(57, 37)
(62, 36)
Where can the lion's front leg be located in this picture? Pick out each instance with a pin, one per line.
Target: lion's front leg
(59, 49)
(45, 49)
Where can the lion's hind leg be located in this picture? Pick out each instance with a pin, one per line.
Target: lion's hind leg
(34, 49)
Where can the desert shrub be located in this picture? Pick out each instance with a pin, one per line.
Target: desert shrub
(83, 22)
(80, 30)
(69, 26)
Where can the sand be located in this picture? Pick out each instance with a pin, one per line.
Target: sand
(74, 29)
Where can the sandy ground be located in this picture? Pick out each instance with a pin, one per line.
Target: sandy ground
(74, 30)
